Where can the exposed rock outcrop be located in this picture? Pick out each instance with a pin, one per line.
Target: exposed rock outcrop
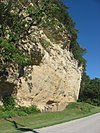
(53, 80)
(52, 84)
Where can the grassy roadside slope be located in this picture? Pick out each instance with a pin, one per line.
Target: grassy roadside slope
(73, 111)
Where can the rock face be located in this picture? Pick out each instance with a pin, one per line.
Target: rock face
(52, 84)
(53, 81)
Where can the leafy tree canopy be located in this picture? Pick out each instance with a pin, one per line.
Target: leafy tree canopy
(90, 90)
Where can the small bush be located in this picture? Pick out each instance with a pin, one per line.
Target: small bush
(8, 114)
(17, 111)
(1, 108)
(8, 102)
(28, 110)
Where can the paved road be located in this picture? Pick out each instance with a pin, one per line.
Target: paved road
(89, 124)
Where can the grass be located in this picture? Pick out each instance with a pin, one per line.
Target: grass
(32, 121)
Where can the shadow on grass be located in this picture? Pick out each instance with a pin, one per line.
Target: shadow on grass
(22, 127)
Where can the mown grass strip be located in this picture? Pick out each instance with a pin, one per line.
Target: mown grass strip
(32, 121)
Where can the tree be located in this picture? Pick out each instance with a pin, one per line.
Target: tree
(84, 84)
(90, 90)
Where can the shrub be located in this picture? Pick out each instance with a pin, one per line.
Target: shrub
(17, 111)
(11, 54)
(28, 110)
(8, 102)
(8, 114)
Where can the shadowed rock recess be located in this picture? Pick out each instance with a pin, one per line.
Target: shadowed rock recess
(53, 77)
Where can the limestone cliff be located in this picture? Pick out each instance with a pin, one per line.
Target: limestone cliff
(51, 81)
(53, 84)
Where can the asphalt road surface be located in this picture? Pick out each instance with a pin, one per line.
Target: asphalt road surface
(90, 124)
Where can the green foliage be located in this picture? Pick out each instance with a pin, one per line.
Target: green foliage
(46, 14)
(8, 102)
(84, 107)
(78, 53)
(28, 110)
(56, 10)
(84, 83)
(7, 114)
(30, 10)
(10, 53)
(10, 111)
(13, 28)
(90, 90)
(10, 19)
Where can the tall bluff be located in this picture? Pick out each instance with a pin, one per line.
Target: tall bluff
(50, 85)
(48, 76)
(53, 83)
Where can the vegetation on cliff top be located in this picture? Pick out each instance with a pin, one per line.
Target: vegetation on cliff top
(15, 26)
